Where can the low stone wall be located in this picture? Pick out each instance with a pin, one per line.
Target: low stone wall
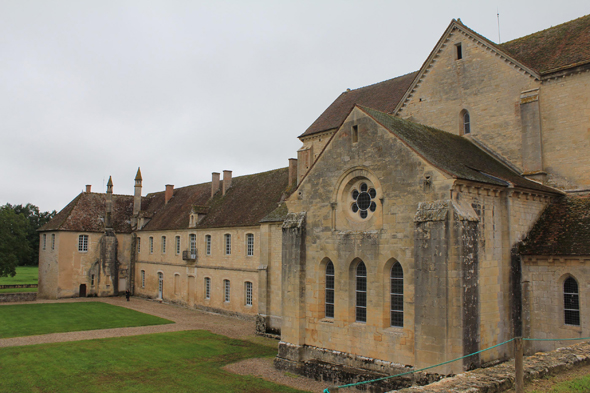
(12, 286)
(18, 297)
(501, 377)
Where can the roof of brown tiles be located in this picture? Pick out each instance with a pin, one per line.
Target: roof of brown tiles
(563, 229)
(553, 49)
(250, 199)
(86, 213)
(382, 96)
(454, 154)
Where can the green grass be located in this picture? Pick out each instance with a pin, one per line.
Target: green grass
(31, 319)
(17, 290)
(578, 385)
(24, 275)
(187, 361)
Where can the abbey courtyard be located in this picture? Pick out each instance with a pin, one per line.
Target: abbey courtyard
(424, 218)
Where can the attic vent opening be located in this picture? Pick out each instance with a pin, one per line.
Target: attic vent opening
(355, 134)
(459, 51)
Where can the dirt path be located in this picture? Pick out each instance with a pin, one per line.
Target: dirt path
(185, 319)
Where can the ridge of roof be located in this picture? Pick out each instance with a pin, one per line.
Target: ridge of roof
(382, 95)
(453, 154)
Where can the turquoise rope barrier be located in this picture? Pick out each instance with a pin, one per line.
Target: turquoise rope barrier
(555, 339)
(422, 369)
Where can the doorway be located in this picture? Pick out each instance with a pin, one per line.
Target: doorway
(82, 290)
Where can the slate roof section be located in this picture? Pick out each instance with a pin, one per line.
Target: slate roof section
(559, 47)
(383, 96)
(86, 213)
(562, 229)
(250, 199)
(454, 154)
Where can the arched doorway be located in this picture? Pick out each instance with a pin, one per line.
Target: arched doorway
(82, 290)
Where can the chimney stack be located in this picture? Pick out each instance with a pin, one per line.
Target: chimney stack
(137, 195)
(88, 187)
(109, 205)
(169, 192)
(226, 181)
(214, 183)
(292, 171)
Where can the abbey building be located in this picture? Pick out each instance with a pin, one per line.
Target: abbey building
(426, 217)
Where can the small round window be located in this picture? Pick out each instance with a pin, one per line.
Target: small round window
(363, 198)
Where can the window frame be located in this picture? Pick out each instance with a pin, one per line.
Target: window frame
(227, 241)
(250, 244)
(396, 276)
(83, 241)
(151, 245)
(571, 302)
(329, 293)
(207, 288)
(44, 242)
(53, 241)
(142, 278)
(360, 293)
(192, 241)
(138, 243)
(248, 293)
(226, 291)
(208, 244)
(465, 122)
(163, 244)
(178, 245)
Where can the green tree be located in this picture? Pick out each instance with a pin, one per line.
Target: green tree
(35, 220)
(14, 246)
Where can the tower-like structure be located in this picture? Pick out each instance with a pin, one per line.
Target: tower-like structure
(136, 199)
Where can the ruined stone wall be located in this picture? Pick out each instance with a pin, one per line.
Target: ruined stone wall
(482, 83)
(543, 295)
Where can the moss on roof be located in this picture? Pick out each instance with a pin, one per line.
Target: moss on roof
(86, 213)
(556, 48)
(454, 154)
(562, 229)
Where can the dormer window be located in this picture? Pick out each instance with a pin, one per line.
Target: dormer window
(459, 49)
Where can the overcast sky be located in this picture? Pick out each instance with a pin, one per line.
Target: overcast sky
(185, 88)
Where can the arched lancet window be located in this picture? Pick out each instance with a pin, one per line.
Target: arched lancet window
(397, 295)
(361, 292)
(571, 302)
(330, 290)
(466, 122)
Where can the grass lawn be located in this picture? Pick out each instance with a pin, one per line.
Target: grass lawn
(24, 275)
(31, 319)
(187, 361)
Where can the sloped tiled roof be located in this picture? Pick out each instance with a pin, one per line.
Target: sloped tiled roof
(382, 96)
(454, 154)
(553, 49)
(86, 213)
(250, 199)
(563, 229)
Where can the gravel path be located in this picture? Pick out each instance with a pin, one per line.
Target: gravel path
(185, 319)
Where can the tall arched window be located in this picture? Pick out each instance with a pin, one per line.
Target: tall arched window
(571, 302)
(466, 122)
(361, 292)
(330, 290)
(397, 295)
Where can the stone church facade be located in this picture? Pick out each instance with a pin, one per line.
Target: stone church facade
(426, 217)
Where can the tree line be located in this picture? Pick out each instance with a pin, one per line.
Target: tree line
(19, 240)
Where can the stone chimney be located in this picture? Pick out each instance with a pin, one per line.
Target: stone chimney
(137, 195)
(109, 205)
(169, 192)
(292, 171)
(88, 188)
(214, 183)
(226, 181)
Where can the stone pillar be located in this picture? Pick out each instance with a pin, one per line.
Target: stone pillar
(293, 288)
(447, 304)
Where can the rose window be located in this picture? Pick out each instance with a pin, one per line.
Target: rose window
(363, 198)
